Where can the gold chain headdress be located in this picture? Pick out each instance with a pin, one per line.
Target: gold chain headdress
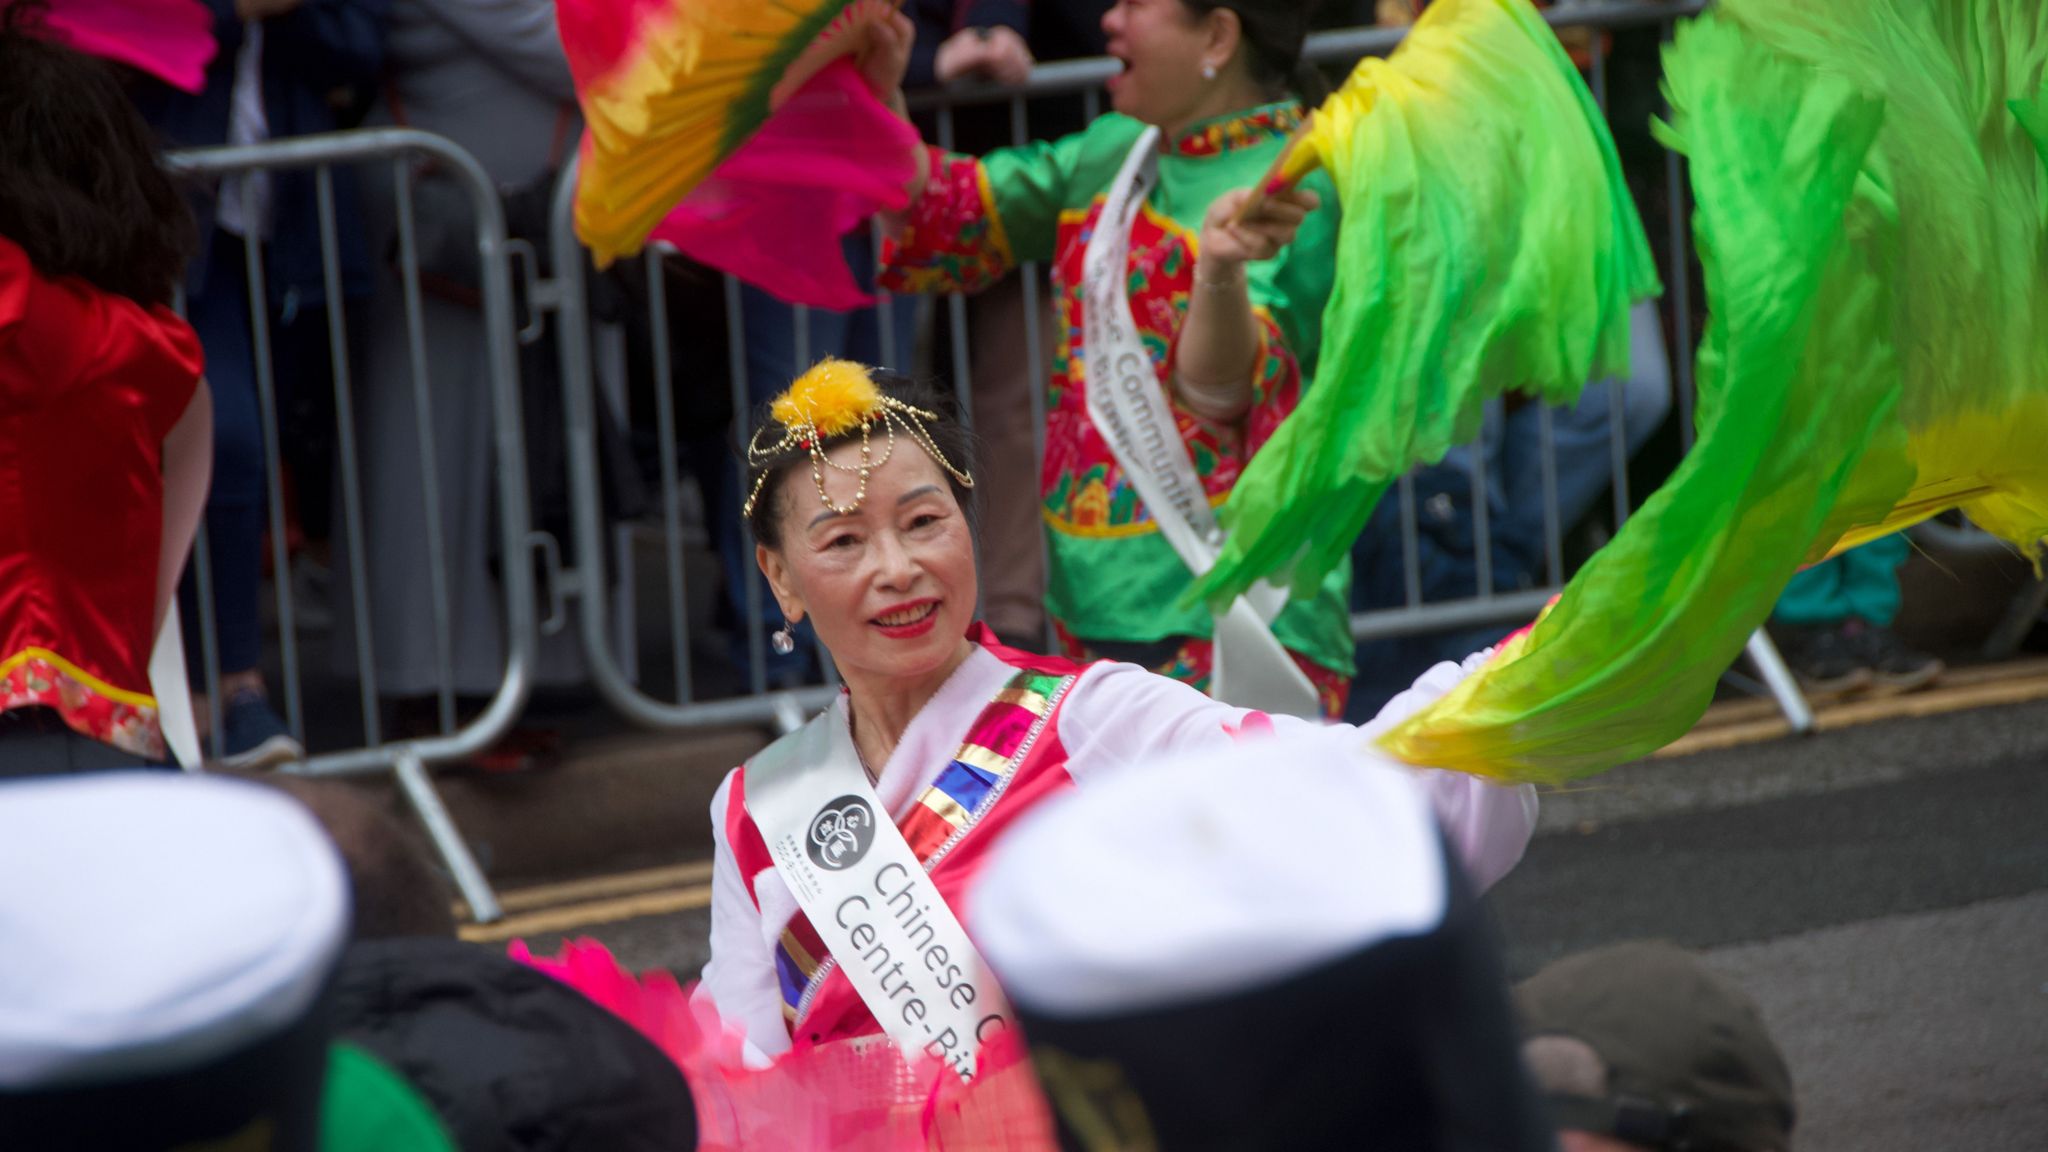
(830, 400)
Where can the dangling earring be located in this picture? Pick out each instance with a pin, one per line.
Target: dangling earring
(783, 639)
(1208, 71)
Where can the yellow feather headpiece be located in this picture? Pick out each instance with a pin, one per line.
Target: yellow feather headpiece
(832, 399)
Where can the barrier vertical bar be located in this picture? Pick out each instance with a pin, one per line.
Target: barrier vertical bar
(430, 472)
(273, 466)
(956, 309)
(671, 486)
(609, 365)
(1617, 386)
(1553, 529)
(1411, 554)
(209, 640)
(743, 432)
(1482, 505)
(351, 478)
(1678, 284)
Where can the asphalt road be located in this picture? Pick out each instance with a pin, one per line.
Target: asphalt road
(1881, 891)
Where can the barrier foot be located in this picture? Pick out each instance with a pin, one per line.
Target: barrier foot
(469, 879)
(1778, 678)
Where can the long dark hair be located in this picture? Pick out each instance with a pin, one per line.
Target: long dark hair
(82, 188)
(1273, 34)
(947, 433)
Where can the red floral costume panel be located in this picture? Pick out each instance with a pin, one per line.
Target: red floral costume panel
(90, 384)
(1084, 488)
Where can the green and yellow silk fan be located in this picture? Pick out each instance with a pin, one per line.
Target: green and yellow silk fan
(1488, 245)
(1872, 187)
(1871, 179)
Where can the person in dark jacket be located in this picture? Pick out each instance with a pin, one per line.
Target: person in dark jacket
(282, 68)
(511, 1059)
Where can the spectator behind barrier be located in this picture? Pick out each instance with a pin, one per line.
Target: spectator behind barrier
(1640, 1047)
(280, 64)
(104, 423)
(1834, 624)
(490, 76)
(165, 981)
(511, 1059)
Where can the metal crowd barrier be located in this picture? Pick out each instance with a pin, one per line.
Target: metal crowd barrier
(401, 151)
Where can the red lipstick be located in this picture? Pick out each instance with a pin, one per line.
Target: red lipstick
(912, 619)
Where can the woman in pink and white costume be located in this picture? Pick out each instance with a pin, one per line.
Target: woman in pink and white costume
(861, 508)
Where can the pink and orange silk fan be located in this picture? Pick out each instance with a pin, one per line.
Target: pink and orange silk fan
(741, 131)
(845, 1095)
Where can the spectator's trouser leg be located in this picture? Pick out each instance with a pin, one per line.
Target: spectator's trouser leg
(1013, 530)
(235, 503)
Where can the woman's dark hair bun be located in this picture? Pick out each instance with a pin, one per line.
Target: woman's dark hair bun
(1274, 32)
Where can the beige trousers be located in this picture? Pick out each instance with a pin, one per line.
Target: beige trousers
(1012, 526)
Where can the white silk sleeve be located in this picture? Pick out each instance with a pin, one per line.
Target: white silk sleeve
(1488, 824)
(739, 979)
(1120, 714)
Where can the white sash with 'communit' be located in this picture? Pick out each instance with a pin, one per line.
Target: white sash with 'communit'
(1131, 411)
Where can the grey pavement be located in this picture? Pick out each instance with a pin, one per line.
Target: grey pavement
(1922, 1032)
(1882, 891)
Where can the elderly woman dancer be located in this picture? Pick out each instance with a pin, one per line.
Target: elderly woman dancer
(844, 848)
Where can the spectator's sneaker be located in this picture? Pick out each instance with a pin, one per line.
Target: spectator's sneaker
(253, 737)
(1823, 657)
(1894, 666)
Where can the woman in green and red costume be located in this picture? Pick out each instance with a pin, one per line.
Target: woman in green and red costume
(1228, 311)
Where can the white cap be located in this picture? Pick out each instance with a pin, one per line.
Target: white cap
(1197, 876)
(152, 921)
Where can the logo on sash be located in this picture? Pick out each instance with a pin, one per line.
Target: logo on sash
(841, 833)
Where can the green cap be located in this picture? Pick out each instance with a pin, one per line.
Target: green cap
(1689, 1064)
(368, 1107)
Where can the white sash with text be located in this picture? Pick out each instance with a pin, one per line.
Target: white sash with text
(1128, 407)
(870, 899)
